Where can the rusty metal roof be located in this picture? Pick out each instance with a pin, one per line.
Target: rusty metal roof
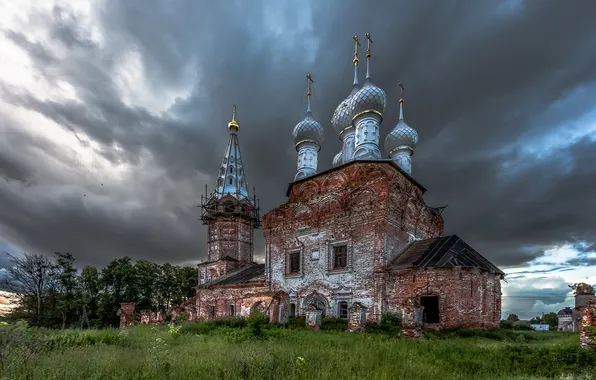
(443, 252)
(251, 273)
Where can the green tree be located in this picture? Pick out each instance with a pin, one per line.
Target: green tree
(90, 286)
(146, 278)
(513, 318)
(68, 297)
(118, 282)
(551, 319)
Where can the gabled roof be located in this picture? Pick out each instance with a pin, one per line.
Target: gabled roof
(250, 273)
(442, 252)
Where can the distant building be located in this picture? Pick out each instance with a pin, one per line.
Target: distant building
(540, 327)
(565, 319)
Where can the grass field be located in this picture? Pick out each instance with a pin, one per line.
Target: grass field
(206, 351)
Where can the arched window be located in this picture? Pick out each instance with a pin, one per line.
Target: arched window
(231, 168)
(230, 180)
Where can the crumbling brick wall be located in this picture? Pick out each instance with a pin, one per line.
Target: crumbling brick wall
(467, 297)
(215, 302)
(371, 207)
(587, 334)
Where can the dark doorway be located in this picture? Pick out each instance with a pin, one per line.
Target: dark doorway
(431, 309)
(292, 310)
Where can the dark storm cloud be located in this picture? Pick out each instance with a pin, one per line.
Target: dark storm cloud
(478, 77)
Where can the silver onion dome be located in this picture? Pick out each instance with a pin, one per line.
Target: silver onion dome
(402, 135)
(308, 130)
(342, 117)
(368, 98)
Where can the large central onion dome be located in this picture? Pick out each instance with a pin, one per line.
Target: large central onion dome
(369, 98)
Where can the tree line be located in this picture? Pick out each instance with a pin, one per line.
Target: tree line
(51, 292)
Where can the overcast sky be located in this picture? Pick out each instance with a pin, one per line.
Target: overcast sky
(113, 118)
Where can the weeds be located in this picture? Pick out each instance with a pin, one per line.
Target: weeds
(259, 350)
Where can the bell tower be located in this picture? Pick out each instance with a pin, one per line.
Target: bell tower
(230, 214)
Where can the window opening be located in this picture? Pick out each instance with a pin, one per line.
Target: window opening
(231, 310)
(211, 312)
(343, 309)
(431, 309)
(294, 262)
(292, 310)
(340, 254)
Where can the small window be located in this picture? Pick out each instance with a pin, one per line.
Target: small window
(340, 256)
(314, 254)
(231, 311)
(230, 180)
(292, 310)
(431, 309)
(231, 168)
(211, 312)
(295, 262)
(343, 309)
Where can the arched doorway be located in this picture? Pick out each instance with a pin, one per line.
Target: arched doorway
(316, 300)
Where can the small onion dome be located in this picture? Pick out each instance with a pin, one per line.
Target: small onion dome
(308, 130)
(368, 98)
(342, 117)
(337, 159)
(401, 135)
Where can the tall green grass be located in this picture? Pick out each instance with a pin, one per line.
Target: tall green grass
(257, 350)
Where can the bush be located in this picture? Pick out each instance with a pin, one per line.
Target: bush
(256, 323)
(334, 324)
(504, 324)
(390, 325)
(296, 323)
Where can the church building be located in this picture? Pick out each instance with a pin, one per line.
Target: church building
(354, 241)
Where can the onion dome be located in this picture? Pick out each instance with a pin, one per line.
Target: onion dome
(402, 135)
(369, 98)
(308, 130)
(342, 117)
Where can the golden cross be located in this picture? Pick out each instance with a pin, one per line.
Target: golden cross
(310, 81)
(234, 112)
(356, 44)
(367, 35)
(401, 85)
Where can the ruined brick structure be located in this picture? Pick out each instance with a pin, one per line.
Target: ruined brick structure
(587, 334)
(353, 242)
(584, 296)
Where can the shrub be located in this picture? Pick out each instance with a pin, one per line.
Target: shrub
(334, 324)
(390, 325)
(256, 323)
(504, 324)
(296, 323)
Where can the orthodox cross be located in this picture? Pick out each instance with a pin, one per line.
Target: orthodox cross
(310, 82)
(401, 86)
(234, 112)
(356, 44)
(367, 35)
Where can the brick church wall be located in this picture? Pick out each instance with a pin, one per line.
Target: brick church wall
(467, 297)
